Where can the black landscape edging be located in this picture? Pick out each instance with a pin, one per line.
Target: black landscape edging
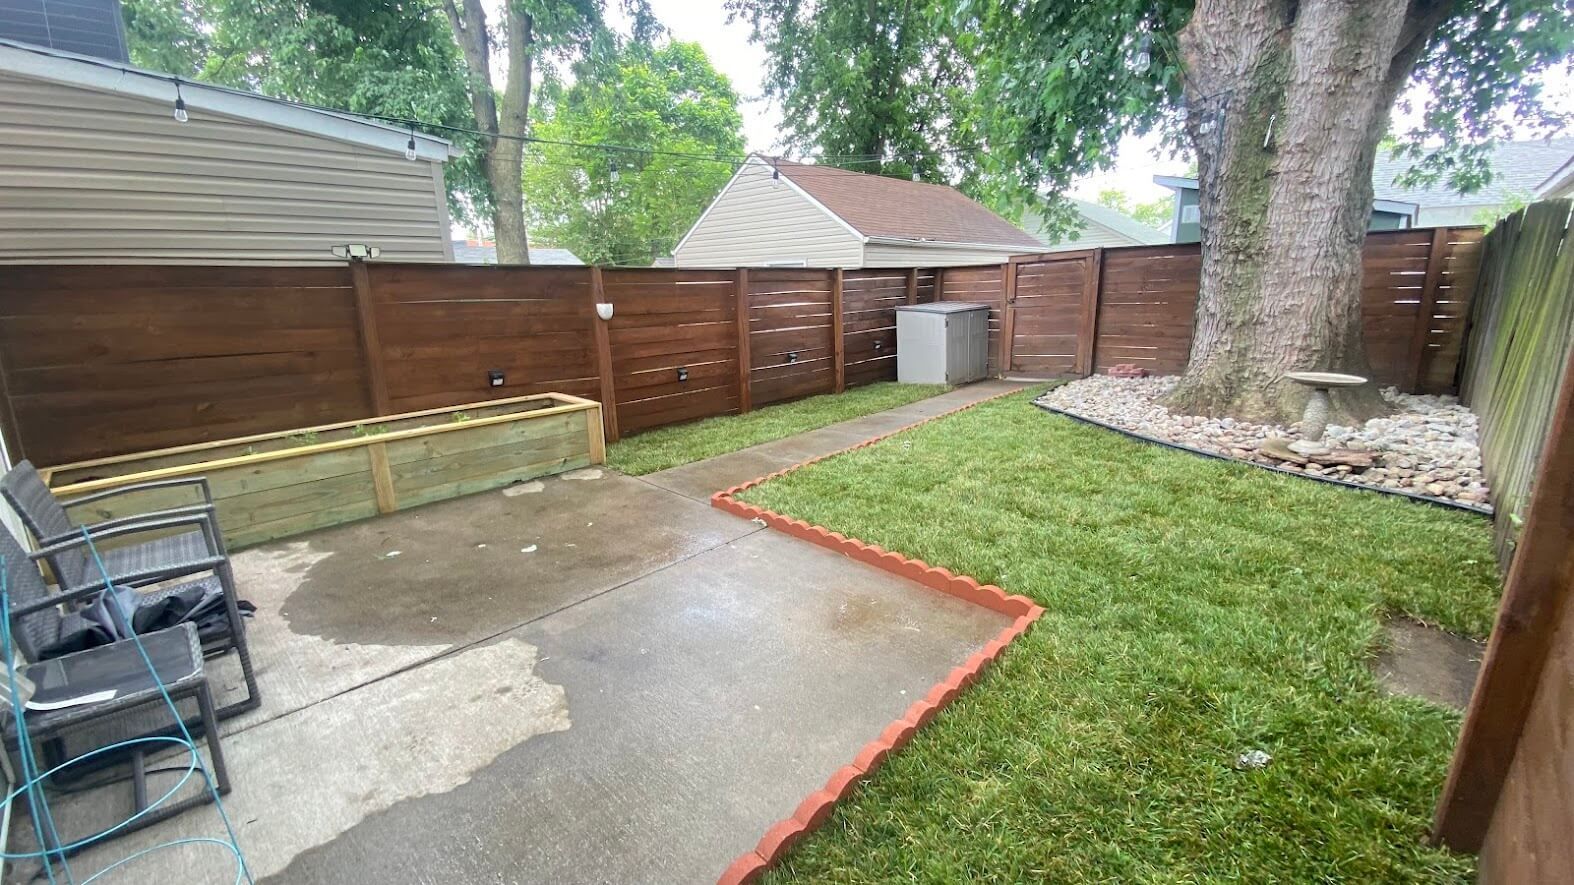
(1423, 499)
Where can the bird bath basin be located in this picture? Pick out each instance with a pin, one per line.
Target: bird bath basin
(1314, 421)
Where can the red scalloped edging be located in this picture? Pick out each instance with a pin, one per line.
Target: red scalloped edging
(817, 806)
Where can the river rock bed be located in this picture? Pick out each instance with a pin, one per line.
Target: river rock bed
(1426, 446)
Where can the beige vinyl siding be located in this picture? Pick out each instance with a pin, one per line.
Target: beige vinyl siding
(94, 177)
(935, 255)
(1094, 235)
(758, 220)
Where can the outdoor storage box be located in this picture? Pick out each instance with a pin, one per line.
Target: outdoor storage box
(942, 343)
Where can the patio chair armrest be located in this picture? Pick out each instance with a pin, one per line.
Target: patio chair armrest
(199, 518)
(76, 532)
(201, 482)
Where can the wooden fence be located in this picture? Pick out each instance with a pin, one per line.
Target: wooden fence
(1510, 789)
(1075, 313)
(98, 361)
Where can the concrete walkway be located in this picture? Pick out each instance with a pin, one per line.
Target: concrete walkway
(591, 678)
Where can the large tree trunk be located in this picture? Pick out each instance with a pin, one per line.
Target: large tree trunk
(503, 158)
(1287, 103)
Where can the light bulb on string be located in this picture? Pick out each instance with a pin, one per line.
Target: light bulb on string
(409, 146)
(612, 169)
(1144, 56)
(180, 105)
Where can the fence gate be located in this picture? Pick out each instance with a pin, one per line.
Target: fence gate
(1053, 301)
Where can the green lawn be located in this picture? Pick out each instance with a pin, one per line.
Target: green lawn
(1195, 610)
(681, 443)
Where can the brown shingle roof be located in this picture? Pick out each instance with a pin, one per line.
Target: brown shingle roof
(876, 206)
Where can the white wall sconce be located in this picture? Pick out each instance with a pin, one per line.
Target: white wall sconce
(604, 310)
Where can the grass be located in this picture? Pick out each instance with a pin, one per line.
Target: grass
(671, 446)
(1195, 610)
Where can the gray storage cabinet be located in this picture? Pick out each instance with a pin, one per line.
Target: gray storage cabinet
(942, 343)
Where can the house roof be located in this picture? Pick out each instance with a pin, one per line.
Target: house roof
(1559, 182)
(486, 253)
(68, 68)
(897, 209)
(1396, 207)
(1518, 169)
(1120, 223)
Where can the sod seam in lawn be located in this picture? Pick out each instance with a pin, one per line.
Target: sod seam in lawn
(679, 444)
(1195, 610)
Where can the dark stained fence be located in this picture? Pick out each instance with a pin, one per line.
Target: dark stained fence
(99, 361)
(869, 302)
(443, 328)
(110, 359)
(985, 284)
(1139, 305)
(674, 345)
(790, 337)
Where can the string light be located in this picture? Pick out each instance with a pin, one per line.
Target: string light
(612, 169)
(1144, 56)
(409, 146)
(180, 104)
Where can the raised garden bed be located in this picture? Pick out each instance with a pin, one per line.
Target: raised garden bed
(280, 484)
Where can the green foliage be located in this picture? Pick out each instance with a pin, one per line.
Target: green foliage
(1154, 213)
(360, 431)
(164, 35)
(666, 447)
(1194, 610)
(663, 99)
(877, 86)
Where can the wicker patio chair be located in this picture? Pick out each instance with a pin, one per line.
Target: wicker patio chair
(47, 620)
(49, 519)
(118, 730)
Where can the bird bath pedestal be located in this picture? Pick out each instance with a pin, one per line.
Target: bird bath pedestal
(1315, 420)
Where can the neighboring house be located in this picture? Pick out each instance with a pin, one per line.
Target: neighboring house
(1521, 171)
(94, 168)
(1559, 184)
(1518, 169)
(778, 213)
(1100, 226)
(1185, 226)
(485, 252)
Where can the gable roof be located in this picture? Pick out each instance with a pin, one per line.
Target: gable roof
(1518, 168)
(472, 252)
(882, 208)
(70, 69)
(1120, 223)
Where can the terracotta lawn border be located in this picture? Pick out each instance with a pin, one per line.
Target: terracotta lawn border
(817, 806)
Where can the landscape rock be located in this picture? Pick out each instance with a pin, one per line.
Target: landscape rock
(1428, 445)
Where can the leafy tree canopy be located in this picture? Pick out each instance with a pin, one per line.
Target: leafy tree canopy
(1016, 98)
(877, 86)
(1155, 213)
(631, 207)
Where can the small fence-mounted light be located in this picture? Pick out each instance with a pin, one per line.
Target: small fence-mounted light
(792, 357)
(357, 251)
(604, 310)
(494, 378)
(878, 344)
(683, 373)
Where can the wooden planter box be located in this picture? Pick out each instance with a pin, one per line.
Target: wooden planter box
(280, 484)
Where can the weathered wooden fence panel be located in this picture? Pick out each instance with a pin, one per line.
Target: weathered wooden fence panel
(984, 284)
(869, 302)
(1145, 308)
(1510, 787)
(1047, 307)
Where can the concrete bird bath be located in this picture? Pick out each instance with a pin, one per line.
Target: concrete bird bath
(1314, 422)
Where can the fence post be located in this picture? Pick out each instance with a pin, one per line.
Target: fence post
(838, 335)
(1088, 328)
(740, 298)
(912, 285)
(609, 393)
(1419, 354)
(1008, 315)
(1537, 589)
(371, 343)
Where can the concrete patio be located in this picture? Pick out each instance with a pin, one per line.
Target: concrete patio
(588, 678)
